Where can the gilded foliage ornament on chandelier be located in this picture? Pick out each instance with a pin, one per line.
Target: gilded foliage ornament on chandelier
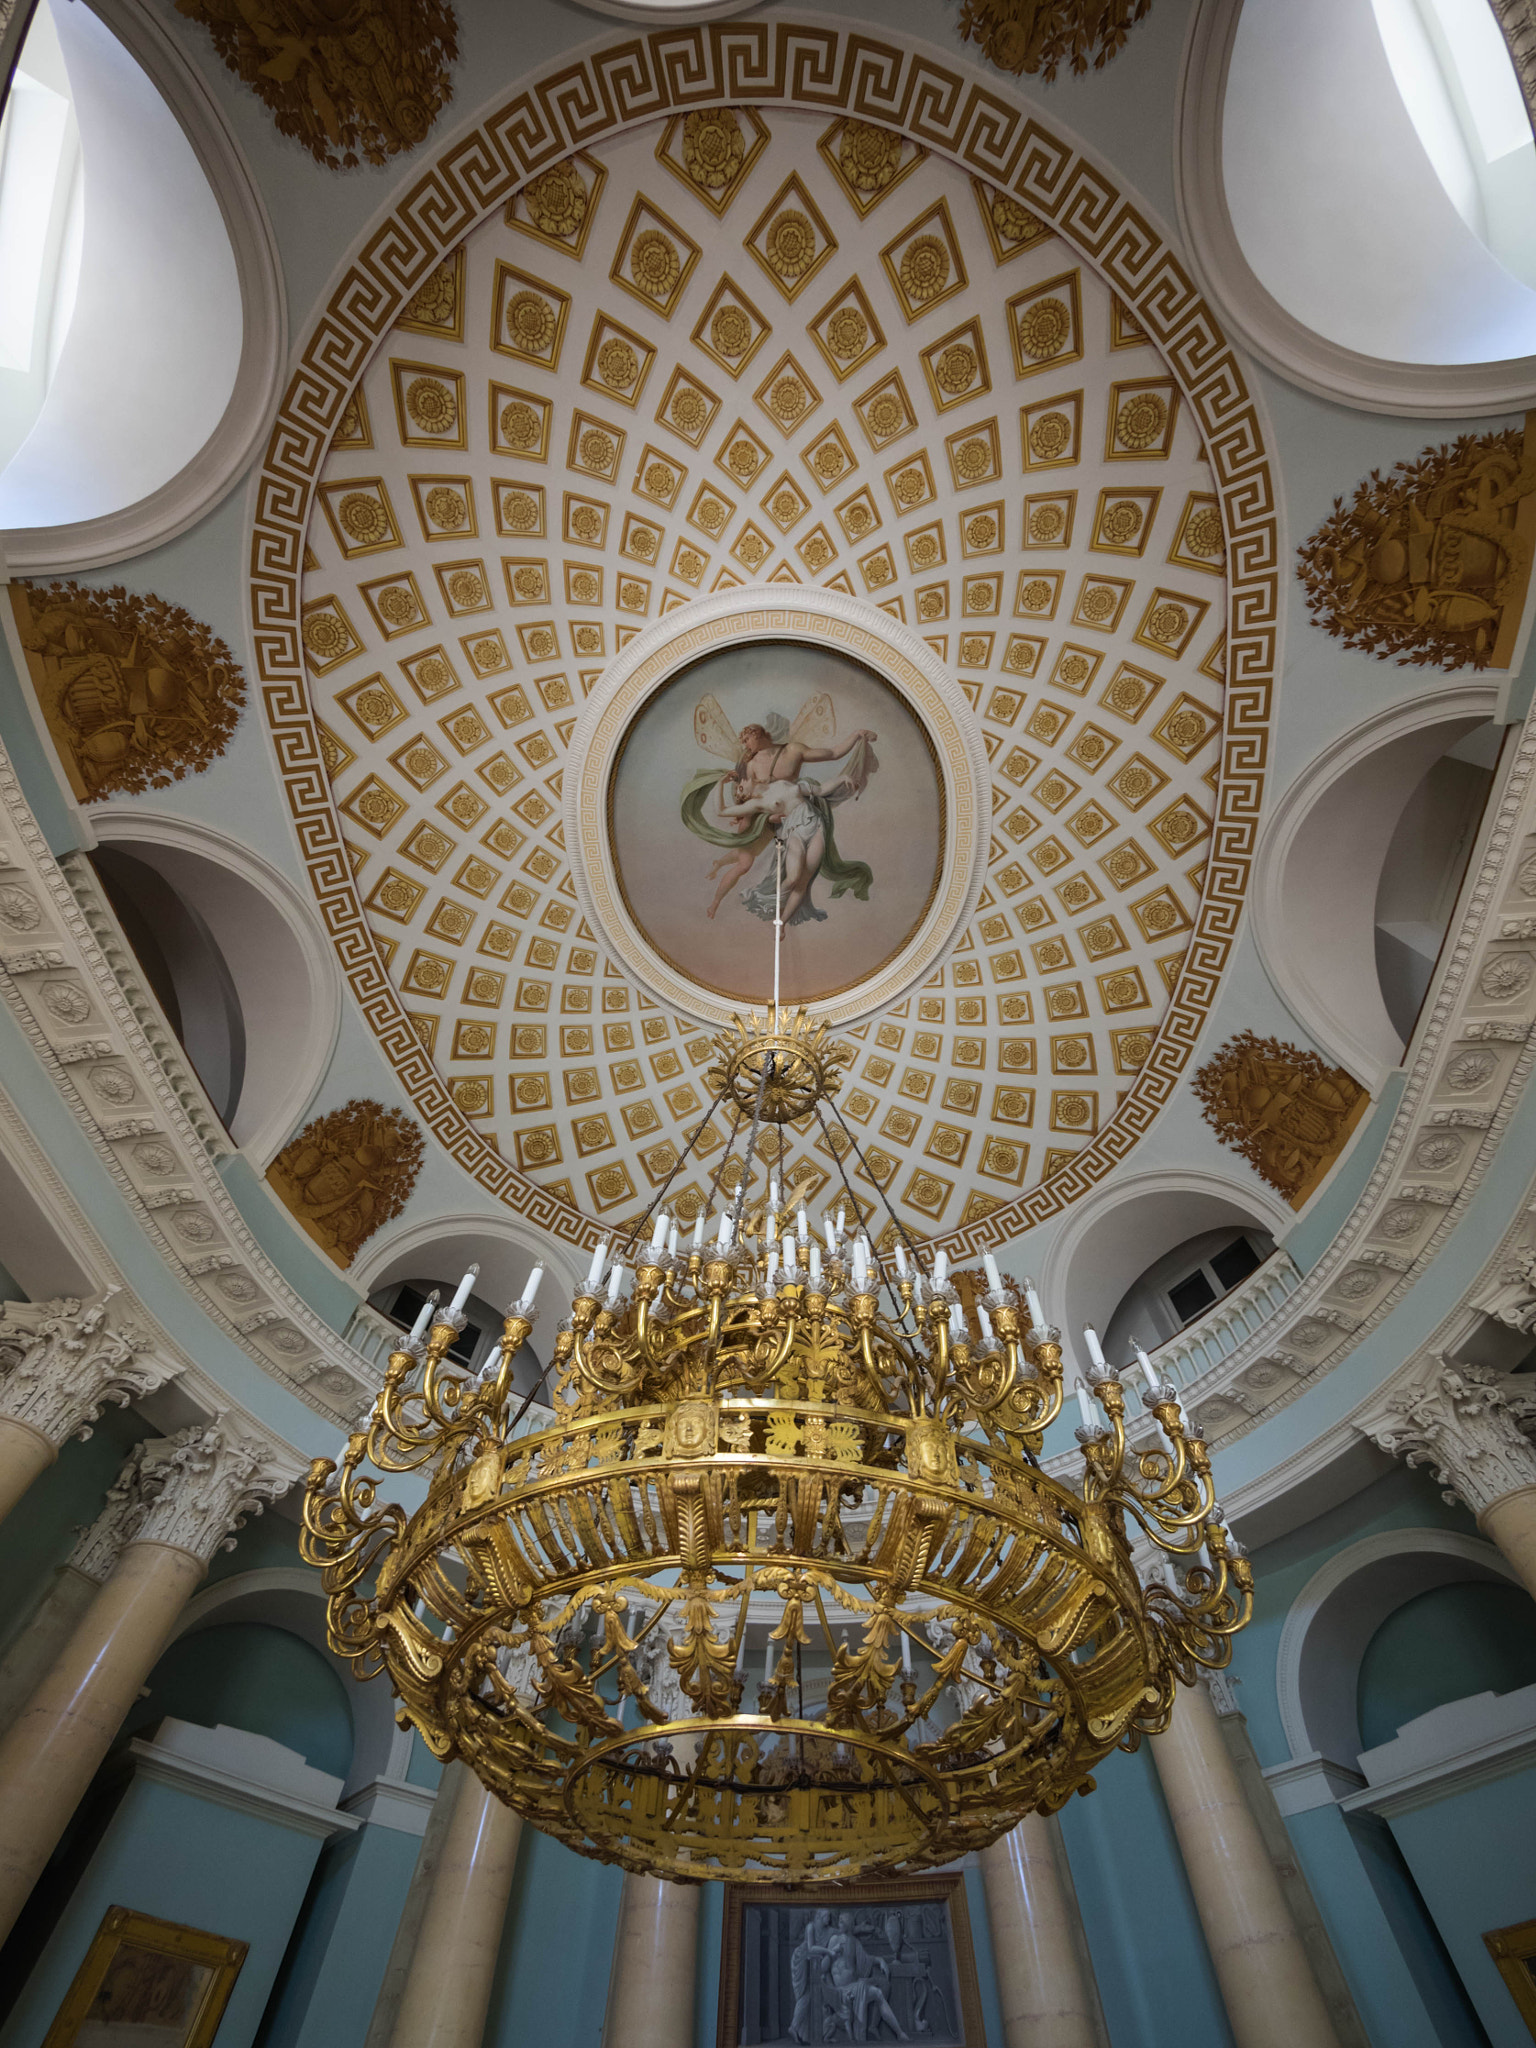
(1040, 35)
(347, 1173)
(800, 1440)
(357, 82)
(135, 692)
(1429, 563)
(1282, 1107)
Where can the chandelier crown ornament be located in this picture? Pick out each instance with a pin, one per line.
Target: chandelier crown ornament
(777, 1444)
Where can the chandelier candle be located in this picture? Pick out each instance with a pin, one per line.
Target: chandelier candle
(736, 1450)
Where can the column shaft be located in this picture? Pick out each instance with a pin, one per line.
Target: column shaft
(25, 1453)
(53, 1749)
(453, 1964)
(1039, 1984)
(31, 1653)
(655, 1956)
(1267, 1986)
(1511, 1524)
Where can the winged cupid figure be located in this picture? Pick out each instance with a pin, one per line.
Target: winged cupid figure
(764, 795)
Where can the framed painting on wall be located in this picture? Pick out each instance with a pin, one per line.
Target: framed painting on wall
(147, 1983)
(890, 1960)
(1514, 1953)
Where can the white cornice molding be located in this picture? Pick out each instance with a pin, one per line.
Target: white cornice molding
(243, 1795)
(1295, 352)
(1480, 1766)
(247, 418)
(70, 1003)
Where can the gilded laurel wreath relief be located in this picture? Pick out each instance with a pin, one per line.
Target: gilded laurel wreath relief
(1281, 1107)
(1430, 562)
(347, 1173)
(135, 692)
(355, 81)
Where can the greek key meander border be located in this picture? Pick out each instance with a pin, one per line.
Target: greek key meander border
(834, 71)
(964, 862)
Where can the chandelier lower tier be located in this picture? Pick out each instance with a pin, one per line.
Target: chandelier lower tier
(783, 1594)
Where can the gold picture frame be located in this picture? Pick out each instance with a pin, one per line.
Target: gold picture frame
(910, 1940)
(1514, 1957)
(140, 1970)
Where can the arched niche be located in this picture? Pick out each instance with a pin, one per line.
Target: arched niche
(1112, 1237)
(292, 1598)
(1322, 863)
(438, 1250)
(166, 380)
(1320, 228)
(1334, 1616)
(246, 962)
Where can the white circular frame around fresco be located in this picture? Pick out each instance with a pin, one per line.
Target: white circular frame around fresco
(819, 618)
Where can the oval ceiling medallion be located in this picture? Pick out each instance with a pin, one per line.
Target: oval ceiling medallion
(754, 719)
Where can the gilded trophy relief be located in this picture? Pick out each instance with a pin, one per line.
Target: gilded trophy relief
(1431, 562)
(347, 1173)
(355, 82)
(1039, 35)
(1282, 1108)
(135, 692)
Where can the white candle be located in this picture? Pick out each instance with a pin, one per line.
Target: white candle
(773, 1192)
(988, 1334)
(698, 1231)
(771, 1265)
(595, 1270)
(1085, 1402)
(906, 1653)
(1146, 1365)
(860, 1266)
(816, 1267)
(901, 1260)
(940, 1268)
(958, 1333)
(829, 1231)
(842, 1223)
(802, 1227)
(463, 1294)
(1095, 1348)
(1036, 1312)
(768, 1662)
(419, 1327)
(994, 1278)
(789, 1258)
(529, 1291)
(659, 1234)
(723, 1239)
(615, 1282)
(672, 1242)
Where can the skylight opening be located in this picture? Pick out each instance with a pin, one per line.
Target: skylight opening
(1453, 69)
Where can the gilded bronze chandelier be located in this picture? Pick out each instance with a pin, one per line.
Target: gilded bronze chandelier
(808, 1443)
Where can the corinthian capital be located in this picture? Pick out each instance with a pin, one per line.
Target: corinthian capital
(61, 1362)
(200, 1485)
(1464, 1424)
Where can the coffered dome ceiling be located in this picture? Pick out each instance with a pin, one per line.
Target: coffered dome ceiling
(728, 350)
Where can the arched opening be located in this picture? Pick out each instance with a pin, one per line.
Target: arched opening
(1360, 869)
(230, 954)
(434, 1257)
(1445, 1644)
(1178, 1288)
(250, 1675)
(1378, 171)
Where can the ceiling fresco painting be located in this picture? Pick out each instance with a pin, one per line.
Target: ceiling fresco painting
(659, 373)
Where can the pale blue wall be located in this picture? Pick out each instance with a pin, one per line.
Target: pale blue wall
(325, 1992)
(1447, 1644)
(251, 1676)
(552, 1973)
(181, 1858)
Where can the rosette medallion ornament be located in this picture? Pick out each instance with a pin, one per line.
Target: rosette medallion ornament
(774, 1446)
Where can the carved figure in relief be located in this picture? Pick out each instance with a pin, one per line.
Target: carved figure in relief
(858, 1982)
(1430, 562)
(1280, 1107)
(353, 80)
(347, 1173)
(1036, 35)
(135, 692)
(767, 798)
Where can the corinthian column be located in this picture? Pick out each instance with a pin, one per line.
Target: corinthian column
(447, 1989)
(655, 1954)
(1464, 1424)
(61, 1362)
(1272, 1998)
(188, 1493)
(1040, 1985)
(75, 1585)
